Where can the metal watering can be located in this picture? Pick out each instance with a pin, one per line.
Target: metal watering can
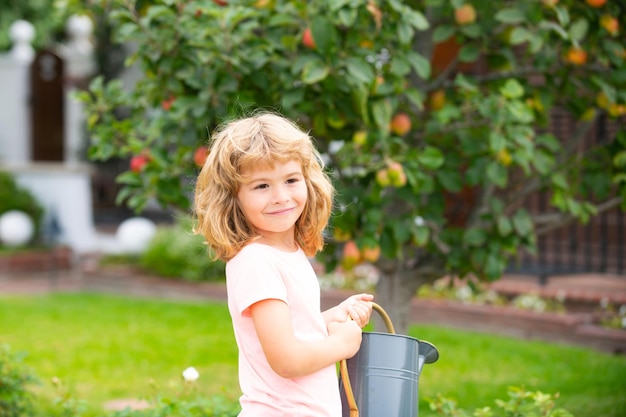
(381, 380)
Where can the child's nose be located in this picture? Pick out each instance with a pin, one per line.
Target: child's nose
(281, 194)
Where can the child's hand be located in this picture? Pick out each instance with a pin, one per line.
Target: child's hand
(358, 307)
(350, 334)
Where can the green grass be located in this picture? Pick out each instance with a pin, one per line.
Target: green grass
(107, 347)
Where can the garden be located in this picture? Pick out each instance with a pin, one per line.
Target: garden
(86, 350)
(441, 123)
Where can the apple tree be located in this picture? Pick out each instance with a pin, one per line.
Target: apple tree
(417, 105)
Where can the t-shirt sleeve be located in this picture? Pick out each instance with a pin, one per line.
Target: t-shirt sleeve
(253, 278)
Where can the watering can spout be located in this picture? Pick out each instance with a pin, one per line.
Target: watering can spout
(428, 353)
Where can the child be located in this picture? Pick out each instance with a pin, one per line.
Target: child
(262, 202)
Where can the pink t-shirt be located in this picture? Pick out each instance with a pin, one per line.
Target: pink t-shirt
(261, 272)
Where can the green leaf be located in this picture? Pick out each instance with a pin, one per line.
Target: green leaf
(543, 162)
(416, 19)
(549, 141)
(381, 110)
(405, 33)
(450, 180)
(512, 89)
(465, 83)
(400, 66)
(469, 53)
(522, 223)
(360, 70)
(558, 180)
(290, 98)
(443, 33)
(420, 64)
(619, 178)
(494, 267)
(388, 244)
(430, 158)
(314, 71)
(416, 97)
(511, 16)
(504, 225)
(497, 174)
(562, 14)
(472, 31)
(578, 30)
(520, 111)
(496, 141)
(554, 27)
(421, 236)
(619, 160)
(518, 36)
(129, 178)
(474, 236)
(359, 101)
(347, 17)
(324, 33)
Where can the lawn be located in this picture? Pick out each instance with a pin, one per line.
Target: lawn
(103, 347)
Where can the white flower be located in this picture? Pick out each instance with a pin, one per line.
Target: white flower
(190, 374)
(419, 221)
(604, 302)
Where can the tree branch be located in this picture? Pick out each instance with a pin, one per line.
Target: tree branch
(555, 221)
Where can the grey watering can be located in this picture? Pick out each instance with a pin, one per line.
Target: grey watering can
(382, 379)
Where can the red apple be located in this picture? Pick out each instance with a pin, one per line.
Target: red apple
(307, 39)
(595, 3)
(382, 177)
(437, 100)
(576, 56)
(371, 254)
(359, 138)
(341, 235)
(221, 2)
(610, 23)
(166, 104)
(351, 255)
(465, 14)
(200, 155)
(401, 124)
(397, 176)
(137, 162)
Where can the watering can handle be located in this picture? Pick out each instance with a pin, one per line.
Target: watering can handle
(343, 365)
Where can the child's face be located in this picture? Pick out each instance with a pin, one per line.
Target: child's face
(273, 199)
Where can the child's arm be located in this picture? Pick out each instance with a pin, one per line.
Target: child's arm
(357, 307)
(290, 357)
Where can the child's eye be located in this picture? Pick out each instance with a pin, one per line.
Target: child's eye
(261, 186)
(292, 180)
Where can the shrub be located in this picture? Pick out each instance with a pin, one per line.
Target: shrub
(176, 252)
(15, 378)
(521, 403)
(14, 197)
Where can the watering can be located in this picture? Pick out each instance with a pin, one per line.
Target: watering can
(381, 380)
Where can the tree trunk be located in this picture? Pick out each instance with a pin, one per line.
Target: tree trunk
(397, 286)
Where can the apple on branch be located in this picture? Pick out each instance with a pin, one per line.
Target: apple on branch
(200, 155)
(307, 39)
(465, 15)
(138, 162)
(401, 124)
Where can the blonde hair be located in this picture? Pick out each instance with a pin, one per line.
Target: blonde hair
(258, 141)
